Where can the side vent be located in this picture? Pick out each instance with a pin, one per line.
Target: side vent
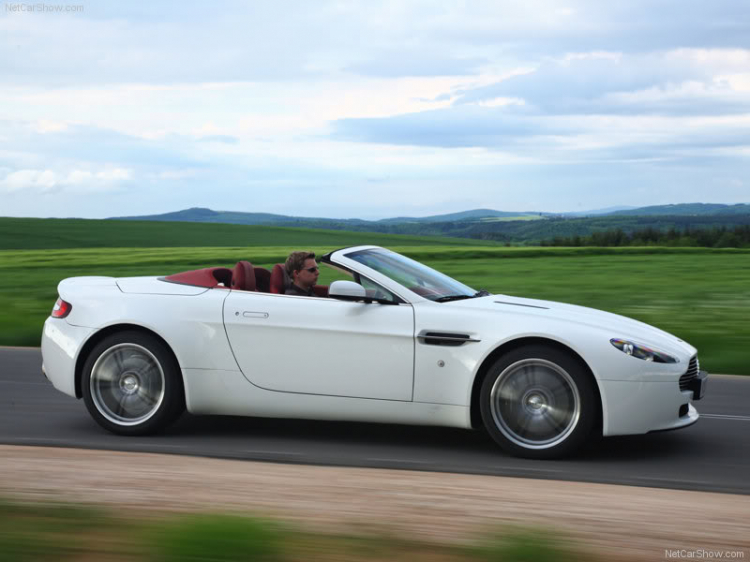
(445, 339)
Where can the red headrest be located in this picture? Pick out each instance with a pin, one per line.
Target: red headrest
(243, 277)
(279, 279)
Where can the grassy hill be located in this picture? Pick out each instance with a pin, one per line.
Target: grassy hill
(689, 209)
(24, 233)
(488, 224)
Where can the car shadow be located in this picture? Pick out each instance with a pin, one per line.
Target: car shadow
(316, 430)
(636, 448)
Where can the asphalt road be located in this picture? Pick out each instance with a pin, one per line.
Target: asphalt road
(712, 455)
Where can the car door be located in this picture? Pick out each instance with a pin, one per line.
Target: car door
(322, 345)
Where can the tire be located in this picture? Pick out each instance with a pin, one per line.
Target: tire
(132, 384)
(539, 402)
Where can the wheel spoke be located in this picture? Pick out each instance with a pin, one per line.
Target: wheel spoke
(146, 397)
(121, 405)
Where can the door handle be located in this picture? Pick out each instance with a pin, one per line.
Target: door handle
(248, 314)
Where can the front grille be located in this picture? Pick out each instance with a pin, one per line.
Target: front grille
(690, 374)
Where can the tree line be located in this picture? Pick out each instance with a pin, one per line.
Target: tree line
(716, 237)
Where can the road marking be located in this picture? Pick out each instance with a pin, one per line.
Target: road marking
(725, 417)
(400, 461)
(271, 453)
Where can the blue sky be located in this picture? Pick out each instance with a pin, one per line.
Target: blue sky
(371, 109)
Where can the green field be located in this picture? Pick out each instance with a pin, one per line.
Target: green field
(701, 295)
(42, 234)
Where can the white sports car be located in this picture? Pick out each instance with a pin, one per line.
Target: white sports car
(399, 343)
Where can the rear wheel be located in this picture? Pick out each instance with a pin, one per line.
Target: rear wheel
(538, 402)
(132, 384)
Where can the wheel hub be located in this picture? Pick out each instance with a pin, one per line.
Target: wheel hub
(536, 403)
(129, 383)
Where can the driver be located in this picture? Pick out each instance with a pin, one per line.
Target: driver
(303, 271)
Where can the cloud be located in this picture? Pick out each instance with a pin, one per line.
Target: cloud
(76, 181)
(588, 106)
(462, 126)
(683, 81)
(42, 180)
(226, 139)
(396, 64)
(78, 143)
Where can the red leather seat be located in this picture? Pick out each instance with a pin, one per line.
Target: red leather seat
(262, 280)
(279, 279)
(243, 277)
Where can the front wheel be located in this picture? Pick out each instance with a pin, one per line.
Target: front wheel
(132, 384)
(538, 402)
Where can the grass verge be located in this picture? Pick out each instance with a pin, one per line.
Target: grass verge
(31, 532)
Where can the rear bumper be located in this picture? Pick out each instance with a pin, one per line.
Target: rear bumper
(61, 344)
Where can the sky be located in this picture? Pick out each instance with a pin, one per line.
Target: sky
(371, 109)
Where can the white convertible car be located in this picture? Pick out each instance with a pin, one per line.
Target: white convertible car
(399, 343)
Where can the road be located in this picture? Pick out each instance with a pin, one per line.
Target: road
(712, 455)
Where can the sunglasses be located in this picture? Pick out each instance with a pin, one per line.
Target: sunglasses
(310, 269)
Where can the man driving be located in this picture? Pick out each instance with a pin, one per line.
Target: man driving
(303, 272)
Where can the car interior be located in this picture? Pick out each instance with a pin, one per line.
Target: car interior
(242, 277)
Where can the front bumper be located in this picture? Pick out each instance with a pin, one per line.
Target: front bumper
(698, 385)
(638, 407)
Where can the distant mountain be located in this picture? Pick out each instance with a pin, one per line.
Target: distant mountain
(598, 212)
(476, 214)
(501, 226)
(688, 209)
(201, 214)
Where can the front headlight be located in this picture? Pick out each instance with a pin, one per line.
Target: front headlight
(642, 352)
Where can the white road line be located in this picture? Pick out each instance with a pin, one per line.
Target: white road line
(154, 446)
(271, 453)
(400, 461)
(725, 417)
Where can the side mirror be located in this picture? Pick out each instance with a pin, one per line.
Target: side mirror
(346, 291)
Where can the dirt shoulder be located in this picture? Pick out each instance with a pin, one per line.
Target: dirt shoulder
(619, 521)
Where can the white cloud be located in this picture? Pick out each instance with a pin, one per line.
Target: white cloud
(46, 126)
(501, 102)
(42, 180)
(45, 181)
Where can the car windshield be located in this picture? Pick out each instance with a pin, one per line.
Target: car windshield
(418, 278)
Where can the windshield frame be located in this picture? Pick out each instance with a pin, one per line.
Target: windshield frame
(396, 272)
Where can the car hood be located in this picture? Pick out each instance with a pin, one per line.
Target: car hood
(614, 324)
